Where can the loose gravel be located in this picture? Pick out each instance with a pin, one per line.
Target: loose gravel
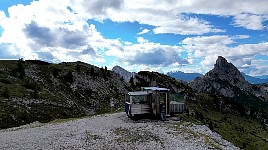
(112, 131)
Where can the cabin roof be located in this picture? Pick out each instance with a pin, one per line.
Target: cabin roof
(155, 88)
(138, 93)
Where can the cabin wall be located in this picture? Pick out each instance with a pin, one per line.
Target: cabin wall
(140, 109)
(177, 108)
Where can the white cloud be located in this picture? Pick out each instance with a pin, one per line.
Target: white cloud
(48, 30)
(259, 68)
(144, 31)
(142, 40)
(210, 47)
(164, 17)
(57, 30)
(241, 37)
(167, 16)
(208, 40)
(147, 53)
(250, 21)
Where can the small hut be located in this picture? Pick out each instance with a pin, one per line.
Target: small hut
(150, 100)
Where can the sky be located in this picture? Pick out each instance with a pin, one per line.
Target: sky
(162, 36)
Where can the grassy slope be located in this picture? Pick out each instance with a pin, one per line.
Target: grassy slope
(29, 100)
(227, 117)
(244, 131)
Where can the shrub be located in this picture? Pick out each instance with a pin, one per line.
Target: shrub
(5, 81)
(56, 72)
(69, 77)
(35, 94)
(31, 84)
(6, 93)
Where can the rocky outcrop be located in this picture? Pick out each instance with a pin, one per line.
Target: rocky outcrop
(224, 79)
(123, 73)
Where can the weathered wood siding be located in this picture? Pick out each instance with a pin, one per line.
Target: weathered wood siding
(177, 107)
(140, 109)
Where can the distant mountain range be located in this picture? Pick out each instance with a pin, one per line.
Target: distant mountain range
(188, 77)
(184, 76)
(256, 80)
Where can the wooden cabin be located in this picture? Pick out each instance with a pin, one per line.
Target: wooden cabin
(154, 101)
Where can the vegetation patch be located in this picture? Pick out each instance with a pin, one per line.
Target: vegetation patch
(243, 131)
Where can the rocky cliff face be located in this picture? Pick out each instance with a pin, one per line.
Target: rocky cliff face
(123, 73)
(223, 79)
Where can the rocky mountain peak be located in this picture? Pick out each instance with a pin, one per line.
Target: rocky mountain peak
(123, 72)
(221, 62)
(221, 78)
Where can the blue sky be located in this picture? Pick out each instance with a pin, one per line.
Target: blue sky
(138, 35)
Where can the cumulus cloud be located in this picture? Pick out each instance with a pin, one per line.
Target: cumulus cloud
(147, 53)
(210, 47)
(250, 21)
(9, 51)
(157, 57)
(171, 16)
(101, 6)
(46, 56)
(52, 29)
(259, 68)
(41, 35)
(96, 9)
(89, 50)
(164, 17)
(144, 31)
(248, 14)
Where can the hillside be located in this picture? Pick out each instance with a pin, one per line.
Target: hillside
(222, 99)
(39, 91)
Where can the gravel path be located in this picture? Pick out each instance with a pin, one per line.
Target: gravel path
(111, 131)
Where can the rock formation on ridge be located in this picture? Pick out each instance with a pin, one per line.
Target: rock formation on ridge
(222, 79)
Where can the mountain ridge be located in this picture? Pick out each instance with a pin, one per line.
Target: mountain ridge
(184, 76)
(255, 80)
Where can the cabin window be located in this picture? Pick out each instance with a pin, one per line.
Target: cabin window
(179, 98)
(141, 99)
